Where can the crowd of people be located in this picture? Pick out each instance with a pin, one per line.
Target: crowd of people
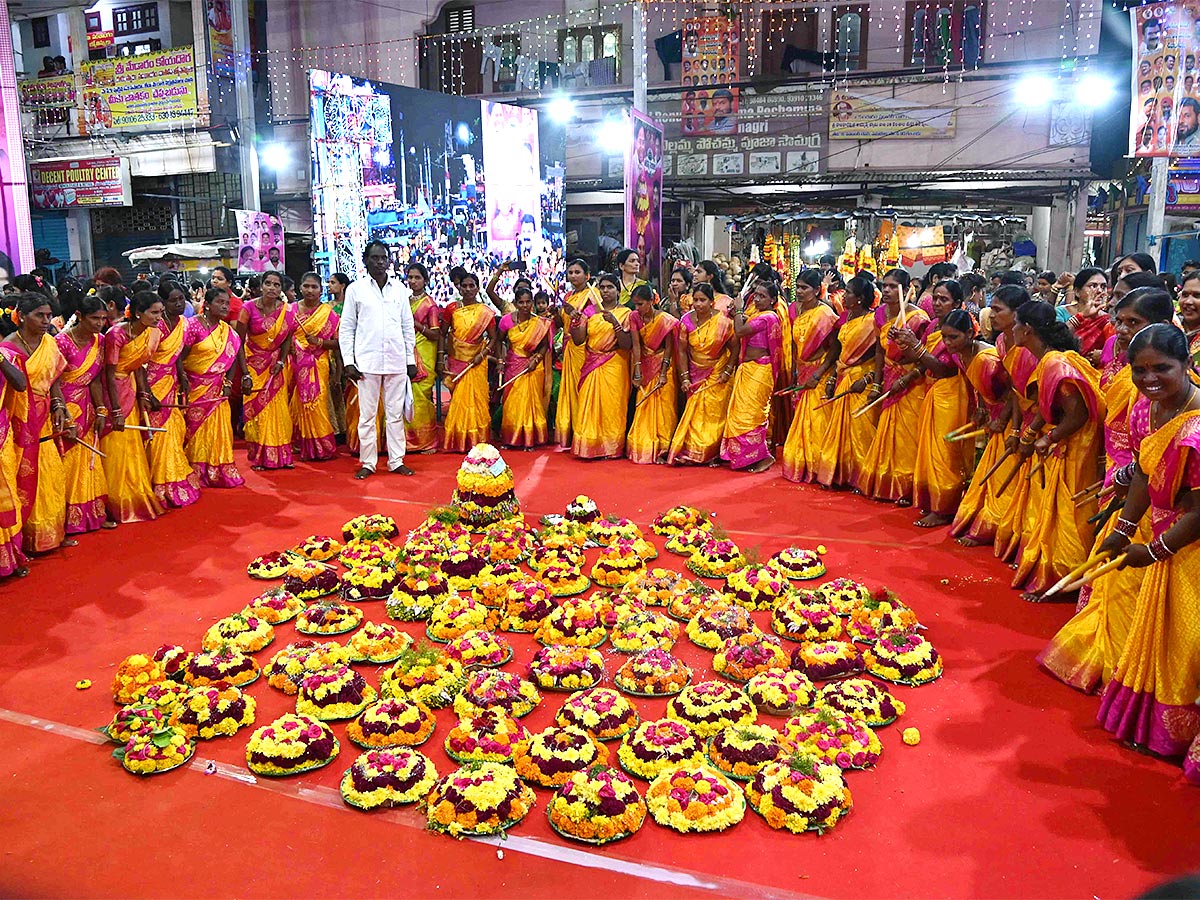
(1056, 422)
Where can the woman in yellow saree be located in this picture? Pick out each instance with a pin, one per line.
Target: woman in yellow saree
(1086, 650)
(313, 348)
(471, 333)
(422, 432)
(814, 333)
(746, 441)
(604, 380)
(175, 482)
(265, 326)
(211, 351)
(679, 292)
(707, 348)
(656, 409)
(12, 557)
(941, 467)
(583, 299)
(1057, 534)
(82, 346)
(525, 374)
(128, 347)
(38, 412)
(708, 272)
(1151, 699)
(887, 469)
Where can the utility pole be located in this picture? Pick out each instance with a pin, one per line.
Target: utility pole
(639, 56)
(244, 98)
(1156, 226)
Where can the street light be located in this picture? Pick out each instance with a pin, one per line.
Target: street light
(561, 109)
(1034, 90)
(1094, 91)
(613, 134)
(275, 156)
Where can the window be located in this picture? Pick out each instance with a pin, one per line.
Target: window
(92, 21)
(460, 19)
(135, 19)
(791, 43)
(41, 31)
(850, 37)
(585, 45)
(946, 33)
(570, 52)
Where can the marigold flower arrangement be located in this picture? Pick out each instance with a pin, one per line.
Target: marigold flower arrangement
(656, 746)
(843, 594)
(800, 793)
(711, 627)
(903, 657)
(166, 695)
(643, 630)
(420, 556)
(677, 518)
(370, 528)
(368, 582)
(559, 532)
(863, 699)
(601, 711)
(216, 710)
(174, 659)
(333, 694)
(462, 566)
(617, 565)
(827, 660)
(684, 541)
(139, 716)
(834, 736)
(425, 675)
(319, 547)
(549, 758)
(417, 595)
(275, 606)
(494, 689)
(456, 615)
(478, 648)
(799, 564)
(553, 549)
(442, 527)
(487, 736)
(716, 558)
(882, 612)
(694, 599)
(290, 745)
(388, 777)
(484, 488)
(394, 722)
(507, 541)
(756, 587)
(780, 692)
(246, 633)
(223, 665)
(526, 604)
(709, 706)
(491, 587)
(609, 608)
(695, 798)
(478, 799)
(309, 580)
(290, 665)
(560, 667)
(656, 587)
(153, 751)
(740, 751)
(577, 623)
(329, 617)
(597, 806)
(583, 509)
(746, 655)
(376, 552)
(653, 673)
(134, 674)
(610, 529)
(797, 619)
(270, 565)
(645, 549)
(378, 643)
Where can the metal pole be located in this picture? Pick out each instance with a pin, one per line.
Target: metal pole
(639, 56)
(244, 99)
(1156, 224)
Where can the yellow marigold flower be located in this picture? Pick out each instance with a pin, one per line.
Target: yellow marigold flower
(911, 736)
(83, 684)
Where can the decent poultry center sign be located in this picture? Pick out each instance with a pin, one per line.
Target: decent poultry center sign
(64, 184)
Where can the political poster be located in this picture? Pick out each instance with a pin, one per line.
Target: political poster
(710, 76)
(1164, 117)
(260, 242)
(643, 193)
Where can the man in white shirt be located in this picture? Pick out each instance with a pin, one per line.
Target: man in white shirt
(378, 348)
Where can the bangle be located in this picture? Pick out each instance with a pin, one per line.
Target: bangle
(1123, 477)
(102, 410)
(1125, 528)
(1159, 550)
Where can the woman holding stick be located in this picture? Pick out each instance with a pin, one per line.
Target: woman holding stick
(583, 299)
(707, 350)
(313, 350)
(1150, 701)
(128, 347)
(12, 557)
(1071, 410)
(211, 353)
(266, 326)
(526, 374)
(814, 334)
(746, 442)
(610, 345)
(175, 482)
(464, 368)
(656, 412)
(421, 434)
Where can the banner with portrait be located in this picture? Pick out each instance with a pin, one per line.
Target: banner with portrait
(710, 75)
(260, 242)
(643, 193)
(1164, 117)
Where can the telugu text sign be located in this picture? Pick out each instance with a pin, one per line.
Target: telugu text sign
(859, 117)
(140, 90)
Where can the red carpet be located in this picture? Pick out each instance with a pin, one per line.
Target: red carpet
(1013, 791)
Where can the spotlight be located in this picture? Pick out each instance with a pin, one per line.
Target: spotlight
(274, 156)
(1094, 91)
(464, 133)
(383, 156)
(1034, 90)
(561, 109)
(614, 135)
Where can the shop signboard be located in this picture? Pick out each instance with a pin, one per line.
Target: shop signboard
(858, 116)
(98, 40)
(1183, 188)
(76, 183)
(148, 89)
(47, 93)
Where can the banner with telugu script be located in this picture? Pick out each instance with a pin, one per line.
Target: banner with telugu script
(47, 93)
(149, 89)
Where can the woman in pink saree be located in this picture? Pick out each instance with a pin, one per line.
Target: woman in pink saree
(315, 342)
(211, 351)
(265, 327)
(746, 442)
(12, 557)
(176, 485)
(82, 345)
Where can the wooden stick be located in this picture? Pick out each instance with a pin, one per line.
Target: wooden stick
(1090, 489)
(1041, 465)
(482, 348)
(996, 466)
(1008, 480)
(789, 390)
(502, 385)
(1107, 511)
(1097, 573)
(970, 435)
(650, 394)
(960, 430)
(88, 446)
(875, 402)
(150, 428)
(835, 397)
(1076, 572)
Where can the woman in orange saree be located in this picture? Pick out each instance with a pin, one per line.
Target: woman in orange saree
(12, 557)
(314, 343)
(1057, 533)
(471, 333)
(746, 441)
(887, 469)
(525, 373)
(604, 380)
(211, 351)
(706, 349)
(175, 483)
(679, 292)
(128, 347)
(1086, 650)
(814, 333)
(38, 412)
(941, 467)
(844, 447)
(422, 431)
(656, 409)
(1151, 699)
(582, 300)
(82, 346)
(265, 327)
